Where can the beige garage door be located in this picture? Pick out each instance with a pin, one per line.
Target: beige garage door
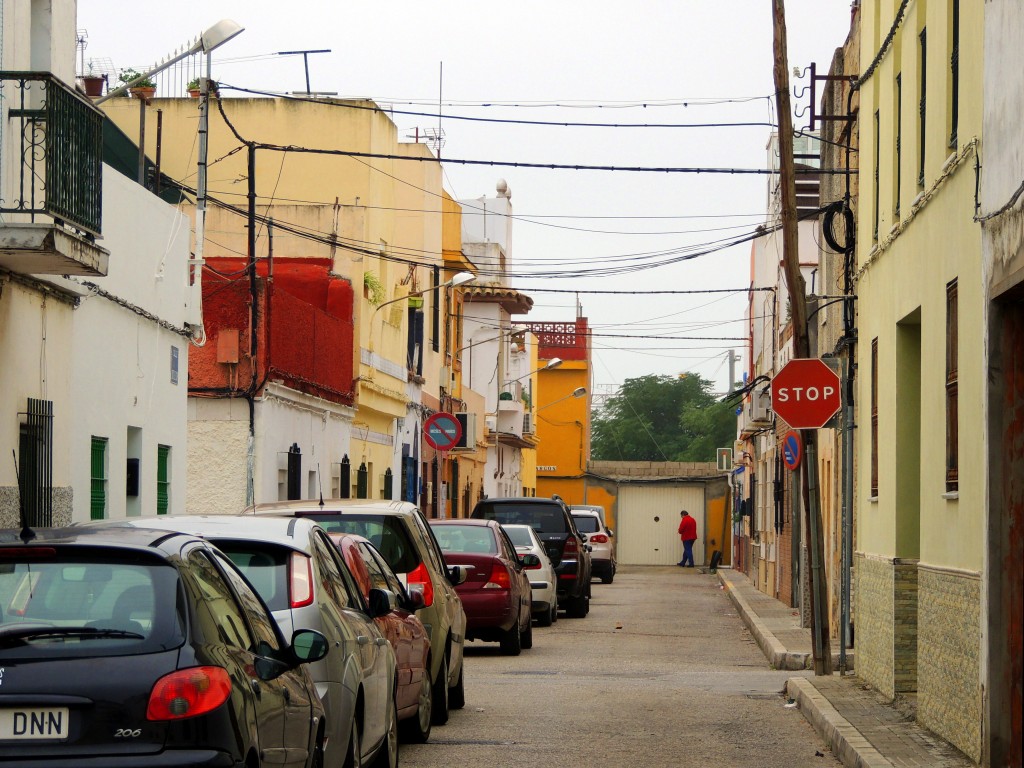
(648, 523)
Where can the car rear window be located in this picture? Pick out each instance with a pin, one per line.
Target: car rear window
(79, 603)
(547, 518)
(387, 533)
(264, 566)
(476, 539)
(587, 523)
(520, 536)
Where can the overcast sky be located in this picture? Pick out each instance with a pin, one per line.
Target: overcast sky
(689, 61)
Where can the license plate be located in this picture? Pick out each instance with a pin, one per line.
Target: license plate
(34, 724)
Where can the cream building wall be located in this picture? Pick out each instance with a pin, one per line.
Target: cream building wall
(920, 549)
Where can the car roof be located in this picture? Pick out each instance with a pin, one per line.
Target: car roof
(333, 506)
(585, 512)
(135, 538)
(292, 532)
(521, 500)
(476, 522)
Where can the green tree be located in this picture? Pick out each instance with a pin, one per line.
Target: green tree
(663, 418)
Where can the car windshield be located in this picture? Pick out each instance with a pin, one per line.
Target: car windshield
(475, 539)
(587, 523)
(520, 535)
(387, 533)
(264, 565)
(86, 605)
(547, 518)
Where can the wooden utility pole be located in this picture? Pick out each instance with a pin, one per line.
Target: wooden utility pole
(801, 343)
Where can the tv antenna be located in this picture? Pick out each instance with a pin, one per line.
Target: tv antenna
(305, 63)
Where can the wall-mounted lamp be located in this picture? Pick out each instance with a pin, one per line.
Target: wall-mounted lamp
(460, 279)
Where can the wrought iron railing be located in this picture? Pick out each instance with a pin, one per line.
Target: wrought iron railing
(58, 136)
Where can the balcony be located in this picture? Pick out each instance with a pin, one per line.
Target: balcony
(51, 196)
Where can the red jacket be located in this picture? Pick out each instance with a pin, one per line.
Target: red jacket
(688, 528)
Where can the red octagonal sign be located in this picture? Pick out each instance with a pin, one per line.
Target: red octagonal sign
(805, 393)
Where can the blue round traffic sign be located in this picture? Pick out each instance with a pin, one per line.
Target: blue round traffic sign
(792, 449)
(442, 431)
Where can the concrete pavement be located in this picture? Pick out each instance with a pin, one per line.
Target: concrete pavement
(861, 729)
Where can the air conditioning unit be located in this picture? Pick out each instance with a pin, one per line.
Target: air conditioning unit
(468, 422)
(759, 407)
(529, 425)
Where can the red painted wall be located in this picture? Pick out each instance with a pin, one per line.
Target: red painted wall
(304, 324)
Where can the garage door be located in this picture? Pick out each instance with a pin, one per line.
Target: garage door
(648, 523)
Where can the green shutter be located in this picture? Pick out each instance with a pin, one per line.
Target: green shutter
(163, 485)
(98, 494)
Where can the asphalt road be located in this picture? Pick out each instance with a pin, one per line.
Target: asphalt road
(661, 673)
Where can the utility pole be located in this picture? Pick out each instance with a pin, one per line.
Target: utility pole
(801, 343)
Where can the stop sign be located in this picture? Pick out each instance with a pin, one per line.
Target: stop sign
(805, 393)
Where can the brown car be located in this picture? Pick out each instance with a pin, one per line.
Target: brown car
(413, 692)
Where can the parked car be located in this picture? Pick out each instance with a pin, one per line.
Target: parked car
(565, 545)
(403, 629)
(401, 534)
(301, 576)
(542, 575)
(599, 537)
(127, 647)
(591, 508)
(496, 593)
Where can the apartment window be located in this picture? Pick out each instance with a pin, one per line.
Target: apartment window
(874, 417)
(163, 479)
(898, 106)
(921, 108)
(98, 479)
(954, 71)
(877, 147)
(952, 404)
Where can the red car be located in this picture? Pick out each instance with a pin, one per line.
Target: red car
(496, 595)
(403, 629)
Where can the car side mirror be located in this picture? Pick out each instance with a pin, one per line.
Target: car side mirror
(414, 600)
(588, 548)
(308, 645)
(610, 531)
(529, 561)
(382, 602)
(583, 536)
(457, 574)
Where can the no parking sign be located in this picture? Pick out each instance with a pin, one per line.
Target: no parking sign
(792, 449)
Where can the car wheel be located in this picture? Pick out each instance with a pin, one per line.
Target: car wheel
(355, 748)
(610, 577)
(457, 694)
(578, 607)
(547, 618)
(417, 729)
(554, 611)
(387, 755)
(526, 637)
(439, 713)
(511, 641)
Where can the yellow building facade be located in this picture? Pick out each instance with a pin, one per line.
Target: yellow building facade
(920, 447)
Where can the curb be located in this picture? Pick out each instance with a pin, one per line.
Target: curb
(845, 741)
(770, 645)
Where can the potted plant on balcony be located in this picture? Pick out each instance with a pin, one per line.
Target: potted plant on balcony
(144, 89)
(93, 82)
(195, 85)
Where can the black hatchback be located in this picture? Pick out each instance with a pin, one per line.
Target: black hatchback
(132, 647)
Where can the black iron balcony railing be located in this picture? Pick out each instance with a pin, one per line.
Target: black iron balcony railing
(58, 135)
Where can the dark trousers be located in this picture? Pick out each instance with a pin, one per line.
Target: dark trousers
(687, 553)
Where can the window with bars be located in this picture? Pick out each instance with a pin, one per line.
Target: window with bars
(952, 404)
(874, 417)
(163, 479)
(35, 462)
(898, 108)
(98, 479)
(954, 71)
(877, 147)
(921, 107)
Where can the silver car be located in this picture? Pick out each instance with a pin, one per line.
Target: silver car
(542, 577)
(599, 537)
(400, 532)
(300, 575)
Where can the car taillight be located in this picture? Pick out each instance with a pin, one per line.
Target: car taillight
(300, 580)
(499, 578)
(188, 693)
(419, 579)
(571, 547)
(598, 538)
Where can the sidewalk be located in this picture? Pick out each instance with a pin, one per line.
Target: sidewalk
(858, 726)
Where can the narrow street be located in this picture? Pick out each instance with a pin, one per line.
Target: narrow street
(661, 673)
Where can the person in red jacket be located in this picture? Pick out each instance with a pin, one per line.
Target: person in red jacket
(688, 533)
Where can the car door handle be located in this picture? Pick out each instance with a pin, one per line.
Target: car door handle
(362, 639)
(381, 641)
(287, 695)
(254, 684)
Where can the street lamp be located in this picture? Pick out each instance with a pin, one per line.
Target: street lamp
(460, 279)
(578, 392)
(208, 40)
(554, 362)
